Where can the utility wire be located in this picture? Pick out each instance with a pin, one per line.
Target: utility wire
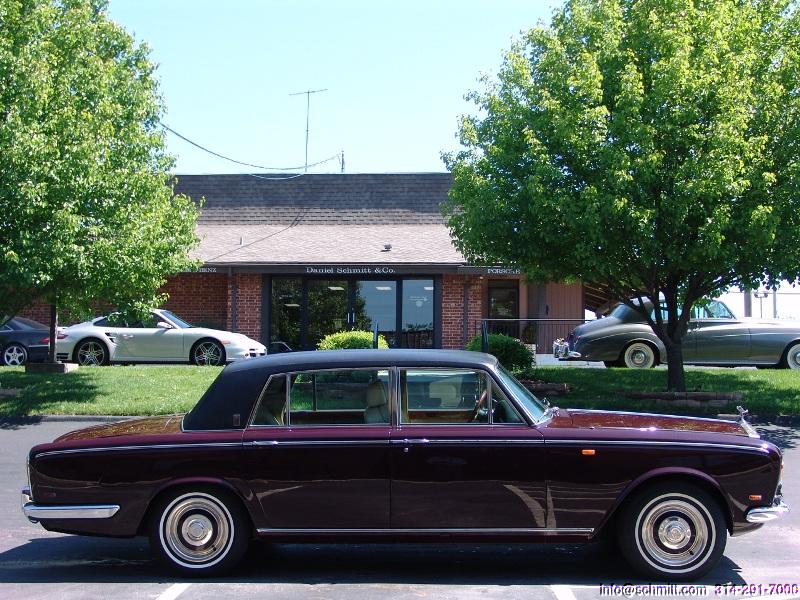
(246, 164)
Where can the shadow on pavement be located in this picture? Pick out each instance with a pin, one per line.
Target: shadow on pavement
(95, 560)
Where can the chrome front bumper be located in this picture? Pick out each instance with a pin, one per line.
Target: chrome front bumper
(561, 351)
(763, 514)
(35, 512)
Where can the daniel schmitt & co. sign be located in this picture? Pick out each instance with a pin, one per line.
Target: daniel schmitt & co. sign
(345, 270)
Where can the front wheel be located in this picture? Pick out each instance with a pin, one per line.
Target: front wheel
(208, 352)
(200, 532)
(639, 355)
(15, 355)
(672, 531)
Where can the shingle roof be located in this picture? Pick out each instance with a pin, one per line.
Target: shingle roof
(322, 219)
(347, 199)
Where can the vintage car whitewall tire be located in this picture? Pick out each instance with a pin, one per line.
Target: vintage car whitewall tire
(673, 531)
(792, 360)
(199, 532)
(639, 355)
(14, 355)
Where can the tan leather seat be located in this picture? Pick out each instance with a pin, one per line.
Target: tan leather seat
(377, 410)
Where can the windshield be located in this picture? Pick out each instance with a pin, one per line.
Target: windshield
(532, 404)
(176, 319)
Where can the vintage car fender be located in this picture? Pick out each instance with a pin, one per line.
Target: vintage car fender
(665, 473)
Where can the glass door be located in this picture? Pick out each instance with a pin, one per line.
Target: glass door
(328, 309)
(375, 302)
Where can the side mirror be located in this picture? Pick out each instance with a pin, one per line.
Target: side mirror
(164, 325)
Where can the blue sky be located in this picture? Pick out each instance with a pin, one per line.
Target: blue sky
(396, 74)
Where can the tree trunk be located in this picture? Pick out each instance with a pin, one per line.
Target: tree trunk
(51, 355)
(676, 380)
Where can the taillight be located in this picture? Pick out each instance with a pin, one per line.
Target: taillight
(46, 340)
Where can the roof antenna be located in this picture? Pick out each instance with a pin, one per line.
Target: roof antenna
(308, 110)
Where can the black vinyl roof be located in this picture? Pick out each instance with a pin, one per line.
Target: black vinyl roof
(237, 388)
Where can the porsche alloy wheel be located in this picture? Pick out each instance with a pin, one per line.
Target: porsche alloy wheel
(673, 531)
(15, 355)
(91, 353)
(208, 352)
(200, 532)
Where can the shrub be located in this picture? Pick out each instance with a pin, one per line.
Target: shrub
(350, 340)
(511, 353)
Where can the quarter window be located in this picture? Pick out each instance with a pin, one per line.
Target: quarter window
(444, 396)
(272, 406)
(342, 397)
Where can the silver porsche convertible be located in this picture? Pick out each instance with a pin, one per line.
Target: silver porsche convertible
(715, 337)
(161, 337)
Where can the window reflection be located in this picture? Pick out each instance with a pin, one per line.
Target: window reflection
(376, 302)
(417, 314)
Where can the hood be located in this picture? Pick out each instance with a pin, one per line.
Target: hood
(147, 426)
(589, 419)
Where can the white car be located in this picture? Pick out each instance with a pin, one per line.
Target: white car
(161, 337)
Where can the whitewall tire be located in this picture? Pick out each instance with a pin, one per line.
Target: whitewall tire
(639, 355)
(793, 357)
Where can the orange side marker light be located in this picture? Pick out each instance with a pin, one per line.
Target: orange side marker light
(588, 452)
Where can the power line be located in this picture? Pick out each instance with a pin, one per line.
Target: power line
(246, 164)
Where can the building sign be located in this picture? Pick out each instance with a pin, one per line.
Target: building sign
(469, 270)
(207, 270)
(343, 270)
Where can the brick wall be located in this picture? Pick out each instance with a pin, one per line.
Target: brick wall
(453, 309)
(199, 298)
(247, 289)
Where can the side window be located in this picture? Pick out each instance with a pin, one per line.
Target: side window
(272, 405)
(717, 310)
(444, 396)
(502, 409)
(342, 397)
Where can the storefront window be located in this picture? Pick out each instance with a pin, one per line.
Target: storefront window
(376, 302)
(417, 315)
(287, 297)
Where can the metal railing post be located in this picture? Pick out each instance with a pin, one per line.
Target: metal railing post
(484, 337)
(375, 336)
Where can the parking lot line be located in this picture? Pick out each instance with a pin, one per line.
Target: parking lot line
(176, 590)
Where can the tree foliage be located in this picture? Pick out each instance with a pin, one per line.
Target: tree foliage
(87, 212)
(648, 147)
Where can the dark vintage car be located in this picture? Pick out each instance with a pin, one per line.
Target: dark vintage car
(714, 337)
(401, 445)
(22, 341)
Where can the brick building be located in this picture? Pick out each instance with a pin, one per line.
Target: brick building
(289, 261)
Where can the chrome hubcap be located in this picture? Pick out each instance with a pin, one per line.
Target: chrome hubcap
(638, 357)
(91, 353)
(674, 533)
(208, 353)
(14, 356)
(196, 529)
(794, 358)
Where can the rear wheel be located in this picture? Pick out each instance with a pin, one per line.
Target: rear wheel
(672, 531)
(15, 355)
(792, 360)
(91, 352)
(200, 532)
(639, 355)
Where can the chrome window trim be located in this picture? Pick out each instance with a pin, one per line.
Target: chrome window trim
(571, 442)
(139, 447)
(557, 530)
(257, 404)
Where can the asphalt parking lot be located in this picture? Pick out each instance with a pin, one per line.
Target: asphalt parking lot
(38, 564)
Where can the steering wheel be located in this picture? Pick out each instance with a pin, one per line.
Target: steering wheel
(479, 405)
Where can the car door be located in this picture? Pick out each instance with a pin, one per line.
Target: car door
(317, 451)
(715, 336)
(145, 340)
(457, 465)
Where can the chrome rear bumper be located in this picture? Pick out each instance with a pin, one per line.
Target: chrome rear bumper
(36, 512)
(763, 514)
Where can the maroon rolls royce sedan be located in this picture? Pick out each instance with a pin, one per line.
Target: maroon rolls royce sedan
(405, 445)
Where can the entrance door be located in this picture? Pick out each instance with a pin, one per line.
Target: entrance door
(328, 309)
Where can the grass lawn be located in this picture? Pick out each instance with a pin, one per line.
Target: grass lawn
(766, 392)
(143, 390)
(151, 390)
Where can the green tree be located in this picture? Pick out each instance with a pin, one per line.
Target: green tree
(87, 211)
(648, 147)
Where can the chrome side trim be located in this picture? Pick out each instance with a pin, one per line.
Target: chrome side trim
(153, 447)
(462, 441)
(479, 530)
(759, 449)
(318, 443)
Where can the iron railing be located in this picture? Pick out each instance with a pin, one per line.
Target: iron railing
(542, 332)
